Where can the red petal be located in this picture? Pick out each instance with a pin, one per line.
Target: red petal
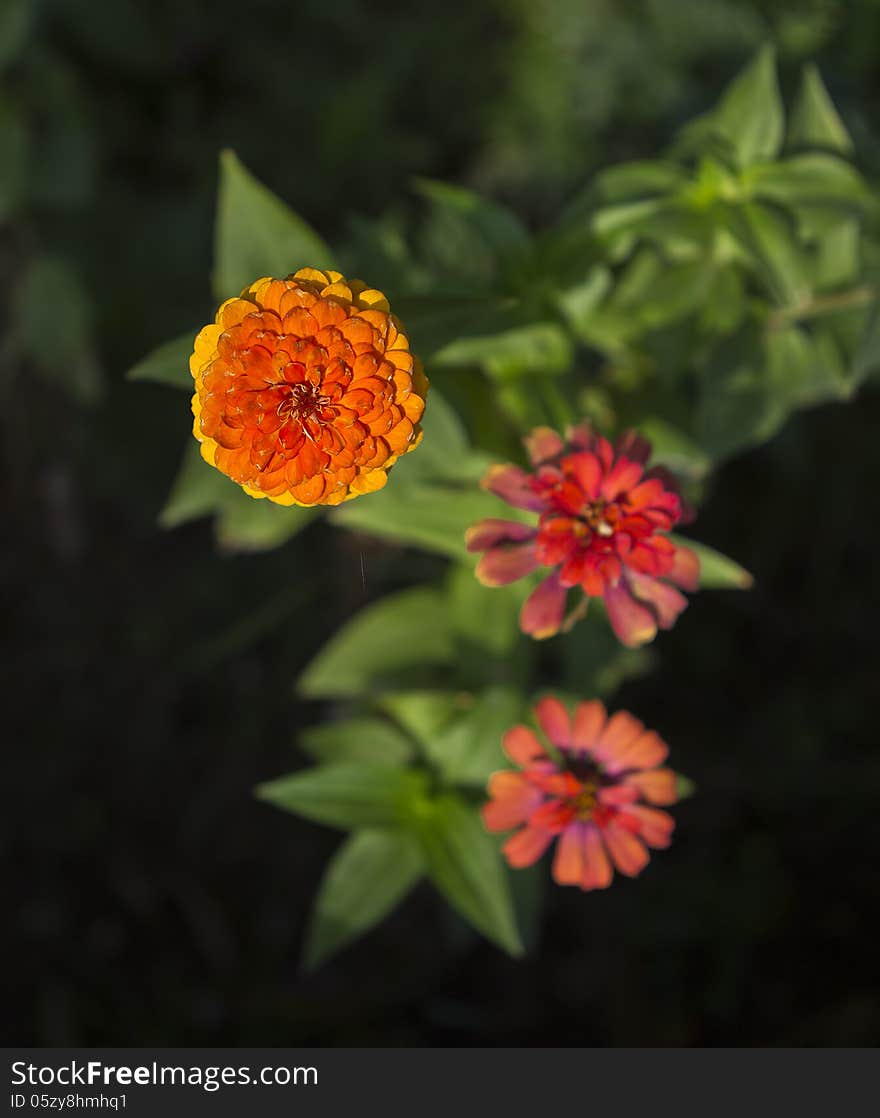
(526, 846)
(589, 721)
(543, 444)
(657, 786)
(632, 621)
(486, 533)
(555, 721)
(543, 611)
(511, 484)
(568, 861)
(597, 868)
(685, 570)
(627, 852)
(522, 746)
(501, 565)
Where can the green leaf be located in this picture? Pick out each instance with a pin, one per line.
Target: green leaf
(580, 303)
(684, 787)
(485, 617)
(243, 523)
(426, 515)
(639, 179)
(496, 226)
(55, 325)
(541, 347)
(445, 453)
(717, 571)
(423, 714)
(348, 795)
(675, 450)
(768, 239)
(817, 178)
(837, 256)
(814, 119)
(750, 114)
(257, 234)
(405, 629)
(365, 879)
(357, 739)
(169, 364)
(468, 749)
(465, 865)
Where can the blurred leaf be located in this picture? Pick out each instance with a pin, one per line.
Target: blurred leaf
(445, 454)
(410, 627)
(367, 876)
(168, 364)
(837, 258)
(485, 617)
(55, 324)
(468, 749)
(750, 114)
(684, 787)
(62, 163)
(717, 572)
(347, 795)
(673, 449)
(15, 20)
(425, 514)
(257, 234)
(13, 158)
(814, 120)
(463, 862)
(243, 523)
(748, 392)
(814, 177)
(541, 347)
(423, 714)
(496, 226)
(639, 179)
(769, 239)
(357, 739)
(580, 303)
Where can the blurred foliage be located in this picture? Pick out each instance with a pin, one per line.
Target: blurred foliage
(706, 295)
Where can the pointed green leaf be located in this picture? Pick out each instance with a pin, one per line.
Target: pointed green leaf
(499, 228)
(405, 629)
(717, 571)
(814, 119)
(465, 865)
(430, 516)
(168, 364)
(866, 362)
(243, 523)
(540, 347)
(768, 239)
(366, 878)
(357, 739)
(257, 234)
(347, 795)
(750, 114)
(468, 750)
(422, 713)
(15, 22)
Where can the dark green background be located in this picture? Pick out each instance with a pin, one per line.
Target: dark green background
(148, 681)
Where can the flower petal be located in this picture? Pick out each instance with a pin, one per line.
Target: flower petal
(654, 826)
(555, 721)
(597, 867)
(526, 846)
(487, 533)
(657, 786)
(543, 444)
(632, 621)
(568, 861)
(522, 746)
(513, 801)
(627, 852)
(511, 484)
(645, 752)
(501, 565)
(589, 721)
(685, 570)
(543, 612)
(621, 730)
(667, 602)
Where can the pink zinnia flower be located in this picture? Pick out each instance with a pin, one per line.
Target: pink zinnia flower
(593, 794)
(602, 526)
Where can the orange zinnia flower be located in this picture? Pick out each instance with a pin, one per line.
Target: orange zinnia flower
(597, 794)
(305, 389)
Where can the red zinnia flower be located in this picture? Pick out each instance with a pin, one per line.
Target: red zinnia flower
(589, 794)
(603, 524)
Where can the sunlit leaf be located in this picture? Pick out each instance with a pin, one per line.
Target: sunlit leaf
(750, 114)
(257, 234)
(168, 364)
(357, 739)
